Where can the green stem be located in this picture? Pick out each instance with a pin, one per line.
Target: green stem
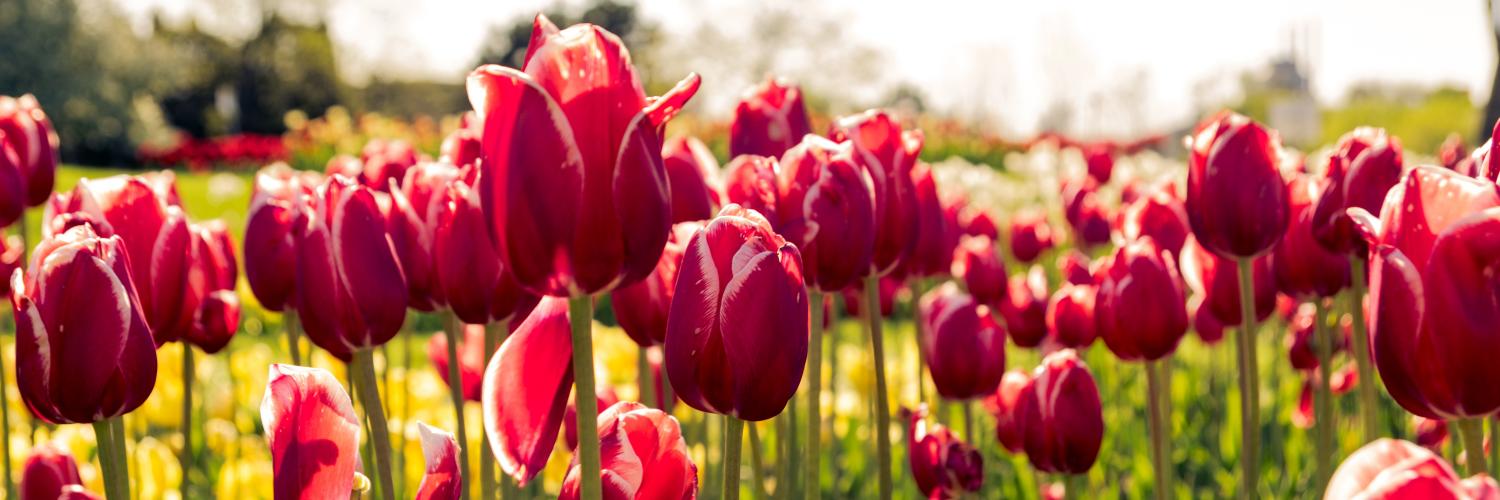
(456, 392)
(186, 458)
(1325, 426)
(1161, 451)
(122, 454)
(581, 316)
(1471, 430)
(644, 381)
(1249, 390)
(757, 474)
(811, 487)
(1494, 444)
(882, 409)
(487, 482)
(793, 447)
(1369, 409)
(918, 287)
(734, 433)
(108, 467)
(1075, 484)
(969, 432)
(369, 394)
(830, 422)
(289, 325)
(712, 434)
(10, 490)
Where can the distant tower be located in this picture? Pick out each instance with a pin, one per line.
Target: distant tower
(1293, 110)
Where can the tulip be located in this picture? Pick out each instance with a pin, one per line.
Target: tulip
(979, 222)
(977, 263)
(12, 248)
(313, 433)
(1212, 278)
(1237, 202)
(751, 182)
(471, 359)
(1064, 424)
(12, 183)
(443, 479)
(347, 166)
(825, 202)
(385, 161)
(1364, 166)
(769, 119)
(1209, 328)
(928, 256)
(645, 456)
(1070, 315)
(462, 147)
(1073, 265)
(478, 287)
(942, 465)
(1394, 469)
(28, 131)
(1431, 433)
(270, 257)
(47, 471)
(1159, 215)
(1452, 151)
(1085, 212)
(692, 177)
(964, 345)
(1100, 159)
(1025, 308)
(605, 397)
(1010, 429)
(642, 308)
(526, 386)
(1302, 267)
(1030, 235)
(219, 313)
(416, 202)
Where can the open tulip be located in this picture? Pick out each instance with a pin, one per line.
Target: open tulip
(1030, 235)
(644, 454)
(825, 203)
(693, 178)
(471, 359)
(1140, 310)
(1010, 429)
(417, 201)
(47, 471)
(443, 479)
(1304, 268)
(942, 465)
(526, 387)
(1236, 199)
(642, 308)
(977, 263)
(1070, 315)
(752, 182)
(478, 287)
(1361, 170)
(1025, 308)
(737, 333)
(573, 181)
(1160, 215)
(888, 154)
(27, 129)
(1395, 469)
(312, 431)
(770, 119)
(270, 256)
(1064, 424)
(965, 346)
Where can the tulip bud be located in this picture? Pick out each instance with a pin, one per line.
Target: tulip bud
(1064, 423)
(1073, 265)
(1392, 469)
(471, 360)
(1009, 426)
(526, 387)
(888, 154)
(463, 147)
(1303, 267)
(1030, 235)
(642, 308)
(573, 182)
(218, 316)
(604, 397)
(28, 131)
(977, 263)
(737, 331)
(1209, 328)
(1452, 151)
(313, 433)
(1100, 158)
(942, 465)
(478, 287)
(1361, 170)
(270, 257)
(1216, 280)
(47, 471)
(1431, 433)
(443, 479)
(769, 119)
(1140, 310)
(1236, 200)
(416, 203)
(692, 177)
(1025, 308)
(979, 222)
(928, 257)
(644, 456)
(1070, 315)
(1085, 213)
(385, 161)
(826, 207)
(1159, 215)
(963, 344)
(751, 182)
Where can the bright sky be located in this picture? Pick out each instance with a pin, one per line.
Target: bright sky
(1011, 59)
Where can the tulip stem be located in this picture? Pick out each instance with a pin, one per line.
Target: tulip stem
(289, 325)
(1471, 430)
(1323, 398)
(882, 409)
(581, 317)
(369, 394)
(186, 458)
(1161, 444)
(1369, 409)
(757, 474)
(10, 490)
(456, 392)
(644, 380)
(111, 444)
(1494, 443)
(1249, 385)
(734, 434)
(813, 468)
(487, 482)
(919, 286)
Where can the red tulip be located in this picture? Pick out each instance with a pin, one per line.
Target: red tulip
(1216, 280)
(1140, 310)
(1452, 151)
(1073, 265)
(1300, 344)
(1236, 199)
(1025, 308)
(1070, 315)
(471, 359)
(270, 257)
(463, 147)
(769, 119)
(385, 161)
(642, 307)
(574, 186)
(1159, 215)
(478, 287)
(1009, 426)
(1362, 169)
(218, 316)
(826, 205)
(351, 292)
(604, 397)
(979, 222)
(1303, 267)
(443, 479)
(84, 351)
(1030, 235)
(752, 182)
(1304, 415)
(964, 345)
(1100, 159)
(888, 154)
(1395, 469)
(312, 431)
(1209, 328)
(47, 471)
(1432, 306)
(927, 257)
(942, 465)
(977, 262)
(737, 332)
(854, 297)
(1431, 433)
(644, 457)
(29, 132)
(417, 200)
(1064, 422)
(12, 182)
(526, 387)
(1486, 166)
(693, 178)
(1085, 213)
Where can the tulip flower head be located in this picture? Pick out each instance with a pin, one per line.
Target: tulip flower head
(29, 133)
(476, 284)
(443, 479)
(604, 397)
(1070, 315)
(1025, 308)
(976, 262)
(270, 254)
(887, 153)
(312, 431)
(644, 456)
(927, 258)
(1394, 469)
(1010, 429)
(752, 182)
(964, 345)
(1302, 266)
(416, 203)
(471, 359)
(1159, 215)
(218, 316)
(1064, 424)
(1030, 235)
(693, 178)
(1140, 310)
(1364, 166)
(48, 469)
(1236, 199)
(942, 465)
(825, 203)
(1214, 280)
(769, 120)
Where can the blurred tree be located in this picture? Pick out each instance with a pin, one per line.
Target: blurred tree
(506, 45)
(206, 65)
(285, 67)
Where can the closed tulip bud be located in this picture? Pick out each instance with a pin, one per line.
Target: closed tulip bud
(979, 222)
(1361, 170)
(887, 153)
(1210, 329)
(1431, 303)
(312, 431)
(642, 308)
(1025, 308)
(693, 178)
(1395, 469)
(977, 263)
(218, 316)
(1452, 151)
(1100, 159)
(942, 465)
(84, 351)
(351, 292)
(604, 397)
(769, 119)
(964, 345)
(1010, 429)
(270, 255)
(1073, 265)
(1064, 424)
(1236, 200)
(644, 456)
(826, 207)
(1159, 215)
(573, 182)
(1216, 281)
(1140, 311)
(1030, 235)
(927, 258)
(1431, 433)
(463, 147)
(1300, 348)
(417, 201)
(1302, 267)
(385, 161)
(29, 132)
(737, 333)
(47, 471)
(526, 387)
(443, 479)
(1070, 315)
(752, 182)
(1085, 213)
(471, 360)
(478, 287)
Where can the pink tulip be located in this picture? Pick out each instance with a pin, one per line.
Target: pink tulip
(976, 262)
(471, 360)
(753, 182)
(30, 134)
(443, 479)
(644, 457)
(1010, 429)
(270, 254)
(1070, 315)
(1159, 215)
(1302, 266)
(963, 344)
(1394, 469)
(1236, 199)
(478, 287)
(312, 431)
(1139, 309)
(417, 201)
(1064, 424)
(825, 203)
(1025, 308)
(1030, 235)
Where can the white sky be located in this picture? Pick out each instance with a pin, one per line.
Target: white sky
(1009, 58)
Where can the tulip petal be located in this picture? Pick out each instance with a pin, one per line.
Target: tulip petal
(663, 108)
(763, 321)
(1397, 306)
(642, 204)
(526, 389)
(312, 431)
(443, 479)
(367, 267)
(1462, 308)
